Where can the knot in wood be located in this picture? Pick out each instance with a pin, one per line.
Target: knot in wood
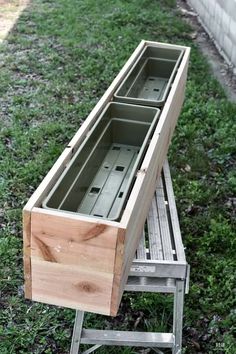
(87, 287)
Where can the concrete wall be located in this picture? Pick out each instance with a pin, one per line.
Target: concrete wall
(219, 19)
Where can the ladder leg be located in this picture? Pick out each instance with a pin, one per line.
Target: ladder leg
(178, 316)
(78, 326)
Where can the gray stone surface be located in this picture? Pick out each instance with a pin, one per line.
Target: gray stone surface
(234, 55)
(219, 18)
(232, 30)
(228, 46)
(225, 22)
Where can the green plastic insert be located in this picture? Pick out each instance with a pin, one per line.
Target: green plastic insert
(99, 177)
(149, 80)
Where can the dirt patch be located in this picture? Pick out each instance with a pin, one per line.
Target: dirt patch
(222, 70)
(10, 10)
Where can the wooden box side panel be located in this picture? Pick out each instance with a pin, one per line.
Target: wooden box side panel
(119, 259)
(26, 253)
(70, 286)
(165, 45)
(142, 193)
(72, 261)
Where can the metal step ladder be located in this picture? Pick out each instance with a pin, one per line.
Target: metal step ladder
(159, 266)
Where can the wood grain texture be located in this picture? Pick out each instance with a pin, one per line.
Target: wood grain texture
(117, 271)
(71, 286)
(27, 253)
(59, 239)
(74, 263)
(165, 45)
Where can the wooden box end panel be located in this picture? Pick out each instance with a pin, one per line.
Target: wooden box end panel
(70, 286)
(74, 263)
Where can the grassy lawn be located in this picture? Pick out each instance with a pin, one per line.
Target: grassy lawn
(58, 61)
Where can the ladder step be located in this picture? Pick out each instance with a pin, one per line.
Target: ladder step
(133, 339)
(146, 284)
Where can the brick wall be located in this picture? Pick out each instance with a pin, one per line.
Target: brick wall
(219, 19)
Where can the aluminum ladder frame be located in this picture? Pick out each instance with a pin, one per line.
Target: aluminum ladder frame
(161, 267)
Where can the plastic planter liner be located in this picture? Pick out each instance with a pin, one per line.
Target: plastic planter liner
(98, 179)
(149, 80)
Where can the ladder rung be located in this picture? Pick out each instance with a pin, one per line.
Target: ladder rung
(145, 284)
(136, 339)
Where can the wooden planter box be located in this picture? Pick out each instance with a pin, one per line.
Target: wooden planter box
(149, 80)
(82, 261)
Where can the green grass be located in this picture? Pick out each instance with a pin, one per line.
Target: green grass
(58, 61)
